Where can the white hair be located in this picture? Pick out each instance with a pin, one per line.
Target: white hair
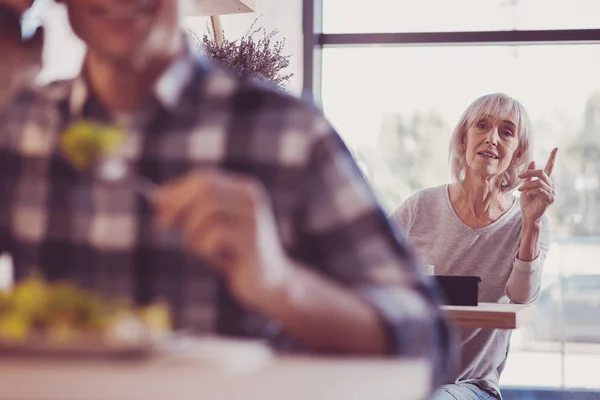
(500, 106)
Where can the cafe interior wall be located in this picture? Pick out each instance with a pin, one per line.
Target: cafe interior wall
(63, 52)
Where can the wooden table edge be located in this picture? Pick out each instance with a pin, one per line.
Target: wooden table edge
(473, 317)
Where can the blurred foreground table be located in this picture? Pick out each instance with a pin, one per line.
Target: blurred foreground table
(492, 315)
(217, 370)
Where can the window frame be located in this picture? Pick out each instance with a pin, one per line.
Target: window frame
(315, 41)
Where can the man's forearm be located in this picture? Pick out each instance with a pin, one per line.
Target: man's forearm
(326, 316)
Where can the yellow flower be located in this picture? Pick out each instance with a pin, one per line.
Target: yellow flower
(30, 297)
(157, 317)
(14, 326)
(84, 142)
(61, 312)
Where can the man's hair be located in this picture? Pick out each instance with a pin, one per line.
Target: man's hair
(10, 23)
(501, 106)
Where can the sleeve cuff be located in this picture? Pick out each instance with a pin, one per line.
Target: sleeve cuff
(409, 323)
(527, 266)
(416, 327)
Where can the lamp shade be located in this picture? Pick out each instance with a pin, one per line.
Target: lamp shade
(221, 7)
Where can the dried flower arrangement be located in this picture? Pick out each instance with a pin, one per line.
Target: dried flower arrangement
(262, 59)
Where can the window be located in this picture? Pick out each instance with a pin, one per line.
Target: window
(396, 108)
(362, 16)
(394, 87)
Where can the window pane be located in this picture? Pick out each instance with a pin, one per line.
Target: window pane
(396, 107)
(359, 16)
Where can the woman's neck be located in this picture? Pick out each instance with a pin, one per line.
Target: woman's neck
(479, 201)
(119, 86)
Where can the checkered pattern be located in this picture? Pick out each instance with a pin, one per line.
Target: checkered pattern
(101, 235)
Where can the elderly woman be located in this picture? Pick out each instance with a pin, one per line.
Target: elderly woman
(476, 226)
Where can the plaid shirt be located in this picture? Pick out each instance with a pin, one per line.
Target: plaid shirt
(101, 236)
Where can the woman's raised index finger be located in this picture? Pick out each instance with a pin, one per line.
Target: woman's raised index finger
(550, 163)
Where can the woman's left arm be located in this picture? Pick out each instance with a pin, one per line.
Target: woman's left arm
(524, 283)
(537, 194)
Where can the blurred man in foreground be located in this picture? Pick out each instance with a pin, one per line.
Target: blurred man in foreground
(261, 223)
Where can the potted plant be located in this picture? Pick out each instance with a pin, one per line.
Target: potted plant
(257, 54)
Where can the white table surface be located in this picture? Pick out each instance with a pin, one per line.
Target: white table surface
(214, 371)
(492, 315)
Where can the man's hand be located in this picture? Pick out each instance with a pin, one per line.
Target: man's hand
(19, 62)
(227, 220)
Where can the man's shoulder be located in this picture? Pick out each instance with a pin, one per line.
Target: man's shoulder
(35, 104)
(49, 93)
(248, 95)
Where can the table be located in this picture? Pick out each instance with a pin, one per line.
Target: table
(492, 315)
(258, 377)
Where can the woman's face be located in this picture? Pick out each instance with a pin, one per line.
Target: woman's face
(491, 144)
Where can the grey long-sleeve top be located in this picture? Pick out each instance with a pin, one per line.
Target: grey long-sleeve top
(439, 237)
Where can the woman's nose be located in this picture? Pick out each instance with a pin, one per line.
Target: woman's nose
(492, 136)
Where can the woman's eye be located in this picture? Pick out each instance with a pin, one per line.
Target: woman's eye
(509, 133)
(481, 125)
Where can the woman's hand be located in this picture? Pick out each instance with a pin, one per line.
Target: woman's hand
(537, 194)
(227, 220)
